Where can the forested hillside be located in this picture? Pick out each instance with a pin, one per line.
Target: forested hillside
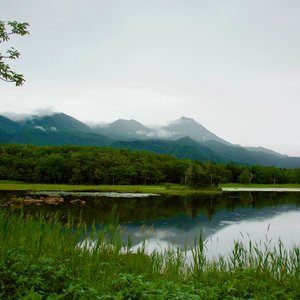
(94, 165)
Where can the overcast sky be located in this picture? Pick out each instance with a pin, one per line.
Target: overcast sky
(232, 65)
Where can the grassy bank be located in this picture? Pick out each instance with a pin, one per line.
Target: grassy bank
(40, 259)
(253, 185)
(165, 189)
(171, 189)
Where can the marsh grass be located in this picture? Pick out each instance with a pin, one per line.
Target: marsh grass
(40, 258)
(260, 185)
(166, 189)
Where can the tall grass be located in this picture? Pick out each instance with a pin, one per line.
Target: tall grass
(40, 258)
(166, 189)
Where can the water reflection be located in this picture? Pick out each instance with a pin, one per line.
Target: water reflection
(267, 225)
(171, 221)
(283, 226)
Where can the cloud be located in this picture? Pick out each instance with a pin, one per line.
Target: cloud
(44, 111)
(157, 133)
(38, 112)
(17, 117)
(41, 128)
(231, 65)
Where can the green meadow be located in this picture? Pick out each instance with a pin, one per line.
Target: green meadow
(172, 189)
(164, 189)
(253, 185)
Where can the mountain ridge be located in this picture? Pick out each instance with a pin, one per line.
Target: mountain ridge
(58, 121)
(183, 138)
(123, 129)
(185, 126)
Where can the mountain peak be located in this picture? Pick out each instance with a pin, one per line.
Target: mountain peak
(128, 124)
(125, 121)
(59, 121)
(189, 127)
(124, 129)
(186, 119)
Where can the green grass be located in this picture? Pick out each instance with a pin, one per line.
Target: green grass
(11, 182)
(171, 189)
(240, 185)
(40, 259)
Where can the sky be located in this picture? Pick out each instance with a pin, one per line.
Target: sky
(232, 65)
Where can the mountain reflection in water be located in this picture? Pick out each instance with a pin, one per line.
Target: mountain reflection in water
(267, 225)
(162, 222)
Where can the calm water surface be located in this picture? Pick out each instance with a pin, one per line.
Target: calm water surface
(161, 222)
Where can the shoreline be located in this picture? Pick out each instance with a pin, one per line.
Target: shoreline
(163, 189)
(255, 189)
(167, 189)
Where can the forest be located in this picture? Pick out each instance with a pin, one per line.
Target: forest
(103, 165)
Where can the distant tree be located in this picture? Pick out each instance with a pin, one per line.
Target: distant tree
(245, 177)
(197, 175)
(6, 30)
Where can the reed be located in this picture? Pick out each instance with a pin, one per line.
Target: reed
(41, 258)
(164, 189)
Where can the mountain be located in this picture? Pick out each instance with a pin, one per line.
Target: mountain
(129, 130)
(264, 150)
(174, 148)
(189, 127)
(231, 153)
(124, 130)
(59, 138)
(210, 151)
(270, 158)
(8, 125)
(57, 129)
(7, 129)
(57, 121)
(183, 138)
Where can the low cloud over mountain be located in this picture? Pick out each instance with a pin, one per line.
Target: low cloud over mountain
(183, 138)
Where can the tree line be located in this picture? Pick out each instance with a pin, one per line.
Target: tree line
(94, 165)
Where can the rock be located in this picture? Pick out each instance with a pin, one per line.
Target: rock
(54, 200)
(77, 201)
(28, 201)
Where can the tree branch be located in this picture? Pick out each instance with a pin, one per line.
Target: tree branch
(6, 80)
(15, 28)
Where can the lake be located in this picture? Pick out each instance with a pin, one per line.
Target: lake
(161, 222)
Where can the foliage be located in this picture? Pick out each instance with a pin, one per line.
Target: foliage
(245, 177)
(107, 166)
(6, 30)
(41, 259)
